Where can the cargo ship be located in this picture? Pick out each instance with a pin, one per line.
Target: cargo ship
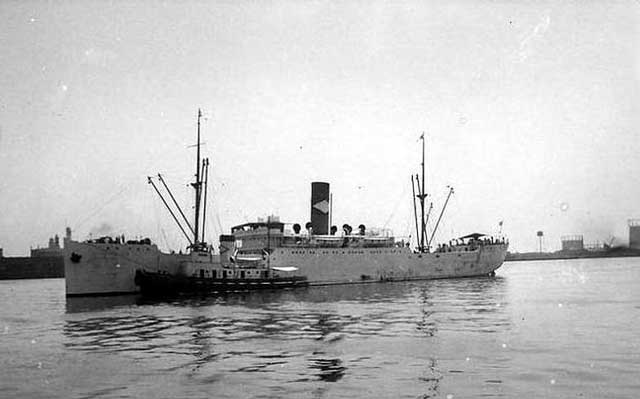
(272, 254)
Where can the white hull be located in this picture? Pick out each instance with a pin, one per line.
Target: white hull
(104, 269)
(109, 269)
(355, 265)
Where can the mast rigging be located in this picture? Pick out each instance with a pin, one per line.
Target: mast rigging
(175, 202)
(415, 210)
(170, 210)
(205, 167)
(196, 241)
(441, 213)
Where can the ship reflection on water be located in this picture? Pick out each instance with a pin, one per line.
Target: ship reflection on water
(99, 303)
(330, 370)
(299, 335)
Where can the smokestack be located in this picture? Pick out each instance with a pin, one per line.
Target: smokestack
(320, 208)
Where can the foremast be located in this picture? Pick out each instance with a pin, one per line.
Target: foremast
(197, 238)
(201, 176)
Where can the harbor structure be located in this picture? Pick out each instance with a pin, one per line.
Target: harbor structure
(540, 235)
(572, 243)
(634, 233)
(573, 247)
(53, 249)
(43, 263)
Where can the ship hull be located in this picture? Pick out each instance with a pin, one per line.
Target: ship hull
(324, 266)
(110, 269)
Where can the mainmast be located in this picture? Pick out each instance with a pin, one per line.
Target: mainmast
(422, 196)
(424, 235)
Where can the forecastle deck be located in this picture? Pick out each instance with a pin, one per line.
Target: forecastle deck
(109, 268)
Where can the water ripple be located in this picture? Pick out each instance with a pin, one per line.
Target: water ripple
(410, 310)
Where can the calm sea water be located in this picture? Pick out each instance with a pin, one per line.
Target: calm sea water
(557, 329)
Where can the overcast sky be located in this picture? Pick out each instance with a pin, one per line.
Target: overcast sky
(530, 110)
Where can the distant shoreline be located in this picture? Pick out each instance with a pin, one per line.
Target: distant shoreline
(559, 255)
